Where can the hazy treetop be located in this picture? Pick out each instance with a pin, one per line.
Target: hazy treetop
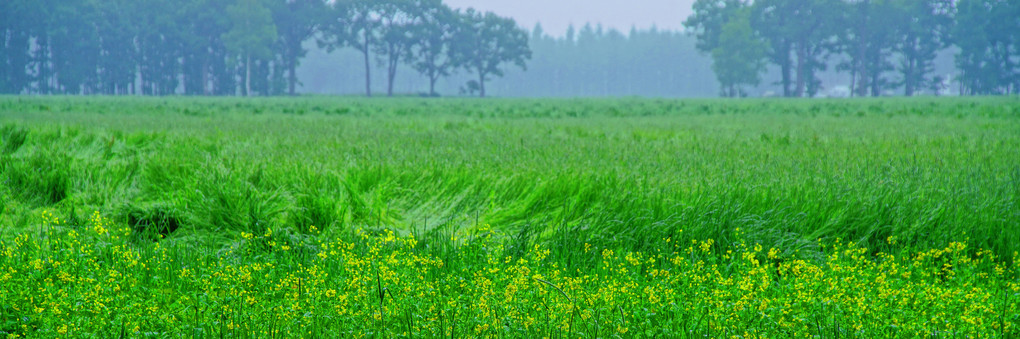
(555, 16)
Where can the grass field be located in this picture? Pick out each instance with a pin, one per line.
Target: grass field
(216, 217)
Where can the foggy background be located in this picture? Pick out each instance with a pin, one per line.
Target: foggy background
(640, 48)
(658, 61)
(557, 16)
(606, 62)
(568, 48)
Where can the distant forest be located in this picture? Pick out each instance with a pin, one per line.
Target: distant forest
(794, 48)
(884, 45)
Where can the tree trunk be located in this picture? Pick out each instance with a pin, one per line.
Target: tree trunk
(247, 76)
(44, 76)
(908, 79)
(368, 67)
(785, 69)
(481, 85)
(862, 73)
(141, 90)
(205, 75)
(910, 75)
(389, 85)
(853, 77)
(432, 74)
(291, 70)
(801, 55)
(876, 90)
(432, 85)
(392, 71)
(137, 81)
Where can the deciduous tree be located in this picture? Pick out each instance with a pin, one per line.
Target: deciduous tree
(296, 21)
(251, 34)
(435, 40)
(353, 23)
(800, 35)
(739, 56)
(487, 42)
(923, 28)
(397, 21)
(986, 32)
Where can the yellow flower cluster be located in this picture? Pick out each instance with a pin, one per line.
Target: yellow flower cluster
(384, 284)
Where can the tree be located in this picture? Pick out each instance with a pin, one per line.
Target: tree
(739, 56)
(867, 39)
(118, 59)
(709, 17)
(723, 29)
(923, 30)
(769, 21)
(434, 36)
(987, 34)
(251, 33)
(296, 21)
(487, 42)
(397, 21)
(203, 54)
(69, 50)
(15, 34)
(353, 23)
(800, 35)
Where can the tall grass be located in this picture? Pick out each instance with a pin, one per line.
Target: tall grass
(566, 189)
(617, 172)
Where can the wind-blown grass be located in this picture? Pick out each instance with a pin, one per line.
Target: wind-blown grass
(565, 175)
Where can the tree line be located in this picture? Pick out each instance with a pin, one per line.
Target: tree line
(239, 47)
(882, 44)
(588, 60)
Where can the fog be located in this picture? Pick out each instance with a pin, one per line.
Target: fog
(598, 63)
(571, 48)
(556, 16)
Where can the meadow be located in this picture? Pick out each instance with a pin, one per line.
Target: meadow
(324, 216)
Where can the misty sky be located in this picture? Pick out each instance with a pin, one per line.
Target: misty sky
(556, 15)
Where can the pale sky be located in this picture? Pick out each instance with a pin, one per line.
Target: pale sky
(556, 15)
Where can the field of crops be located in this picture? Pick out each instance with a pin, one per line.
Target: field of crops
(217, 217)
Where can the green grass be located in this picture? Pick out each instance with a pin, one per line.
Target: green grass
(619, 174)
(622, 171)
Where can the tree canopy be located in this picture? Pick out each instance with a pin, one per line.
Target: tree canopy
(232, 47)
(883, 44)
(487, 43)
(255, 47)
